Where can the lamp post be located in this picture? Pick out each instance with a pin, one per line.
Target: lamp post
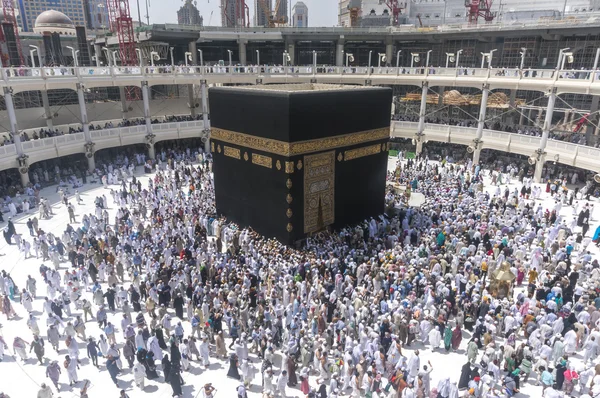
(370, 54)
(230, 52)
(565, 57)
(490, 56)
(258, 57)
(201, 58)
(349, 57)
(286, 58)
(381, 57)
(314, 61)
(449, 57)
(188, 57)
(398, 59)
(172, 58)
(154, 57)
(33, 50)
(114, 54)
(107, 55)
(414, 57)
(427, 58)
(139, 54)
(560, 56)
(458, 56)
(523, 53)
(73, 54)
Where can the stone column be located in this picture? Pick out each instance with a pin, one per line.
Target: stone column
(86, 127)
(541, 152)
(510, 119)
(191, 100)
(149, 134)
(16, 135)
(389, 51)
(485, 92)
(339, 52)
(421, 125)
(124, 107)
(97, 53)
(193, 48)
(47, 111)
(548, 120)
(206, 130)
(291, 49)
(242, 49)
(590, 129)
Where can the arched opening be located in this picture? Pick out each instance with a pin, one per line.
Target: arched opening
(55, 171)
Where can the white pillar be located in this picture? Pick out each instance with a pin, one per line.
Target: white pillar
(83, 111)
(85, 123)
(242, 50)
(539, 167)
(548, 120)
(191, 100)
(206, 130)
(291, 49)
(485, 92)
(339, 53)
(124, 107)
(423, 109)
(389, 53)
(47, 111)
(476, 155)
(14, 130)
(421, 126)
(146, 100)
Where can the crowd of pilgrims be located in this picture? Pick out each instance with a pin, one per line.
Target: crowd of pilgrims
(47, 132)
(166, 286)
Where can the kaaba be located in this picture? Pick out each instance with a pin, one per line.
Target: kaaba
(291, 160)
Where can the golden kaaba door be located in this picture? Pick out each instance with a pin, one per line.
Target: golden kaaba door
(319, 191)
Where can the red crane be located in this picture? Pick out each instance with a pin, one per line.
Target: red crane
(396, 8)
(479, 9)
(122, 24)
(9, 16)
(241, 13)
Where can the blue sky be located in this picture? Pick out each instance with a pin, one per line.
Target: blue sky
(320, 12)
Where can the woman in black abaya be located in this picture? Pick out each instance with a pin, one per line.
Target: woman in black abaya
(465, 376)
(166, 365)
(233, 367)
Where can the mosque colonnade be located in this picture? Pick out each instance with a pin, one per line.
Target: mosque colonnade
(538, 149)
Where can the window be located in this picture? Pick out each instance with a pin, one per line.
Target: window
(427, 16)
(436, 15)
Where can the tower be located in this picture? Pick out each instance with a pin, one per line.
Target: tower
(188, 14)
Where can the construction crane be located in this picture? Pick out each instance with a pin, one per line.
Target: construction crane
(122, 24)
(271, 15)
(479, 9)
(9, 16)
(396, 9)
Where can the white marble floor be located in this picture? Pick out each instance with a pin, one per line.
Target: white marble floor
(22, 379)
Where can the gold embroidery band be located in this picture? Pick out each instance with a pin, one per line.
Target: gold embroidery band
(361, 152)
(262, 160)
(231, 152)
(298, 148)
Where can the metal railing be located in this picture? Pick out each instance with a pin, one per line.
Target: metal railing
(17, 74)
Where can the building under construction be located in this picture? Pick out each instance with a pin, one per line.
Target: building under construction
(234, 14)
(430, 13)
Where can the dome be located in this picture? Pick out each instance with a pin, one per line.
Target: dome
(52, 21)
